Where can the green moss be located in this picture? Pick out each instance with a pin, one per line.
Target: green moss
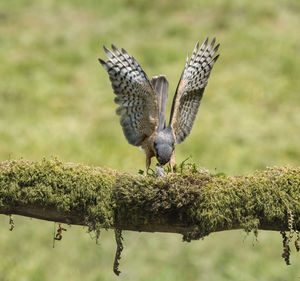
(206, 203)
(75, 189)
(197, 200)
(192, 201)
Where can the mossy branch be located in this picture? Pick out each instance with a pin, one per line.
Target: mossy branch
(193, 203)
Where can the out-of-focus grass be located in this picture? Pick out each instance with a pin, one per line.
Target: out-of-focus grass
(56, 100)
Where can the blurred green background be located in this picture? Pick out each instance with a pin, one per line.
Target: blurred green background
(56, 100)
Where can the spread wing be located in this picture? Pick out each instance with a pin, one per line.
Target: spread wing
(138, 108)
(190, 89)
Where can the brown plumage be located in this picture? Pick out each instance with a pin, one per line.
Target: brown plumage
(142, 103)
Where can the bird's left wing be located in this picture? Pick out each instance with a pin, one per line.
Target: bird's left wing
(138, 108)
(190, 89)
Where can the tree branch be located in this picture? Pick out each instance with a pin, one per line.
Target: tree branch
(193, 203)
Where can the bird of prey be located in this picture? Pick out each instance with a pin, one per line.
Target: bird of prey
(142, 103)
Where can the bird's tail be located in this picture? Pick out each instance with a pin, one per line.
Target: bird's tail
(161, 86)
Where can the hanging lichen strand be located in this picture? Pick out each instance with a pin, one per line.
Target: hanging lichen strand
(192, 202)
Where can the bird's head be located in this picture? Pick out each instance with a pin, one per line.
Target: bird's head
(163, 146)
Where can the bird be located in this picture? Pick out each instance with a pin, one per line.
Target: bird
(142, 103)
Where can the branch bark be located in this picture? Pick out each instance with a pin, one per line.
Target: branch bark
(191, 202)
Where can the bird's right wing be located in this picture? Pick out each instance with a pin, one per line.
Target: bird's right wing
(190, 89)
(135, 95)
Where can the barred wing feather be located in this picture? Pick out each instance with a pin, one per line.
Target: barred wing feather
(190, 89)
(138, 106)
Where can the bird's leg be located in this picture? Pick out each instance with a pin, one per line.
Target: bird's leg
(172, 161)
(148, 162)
